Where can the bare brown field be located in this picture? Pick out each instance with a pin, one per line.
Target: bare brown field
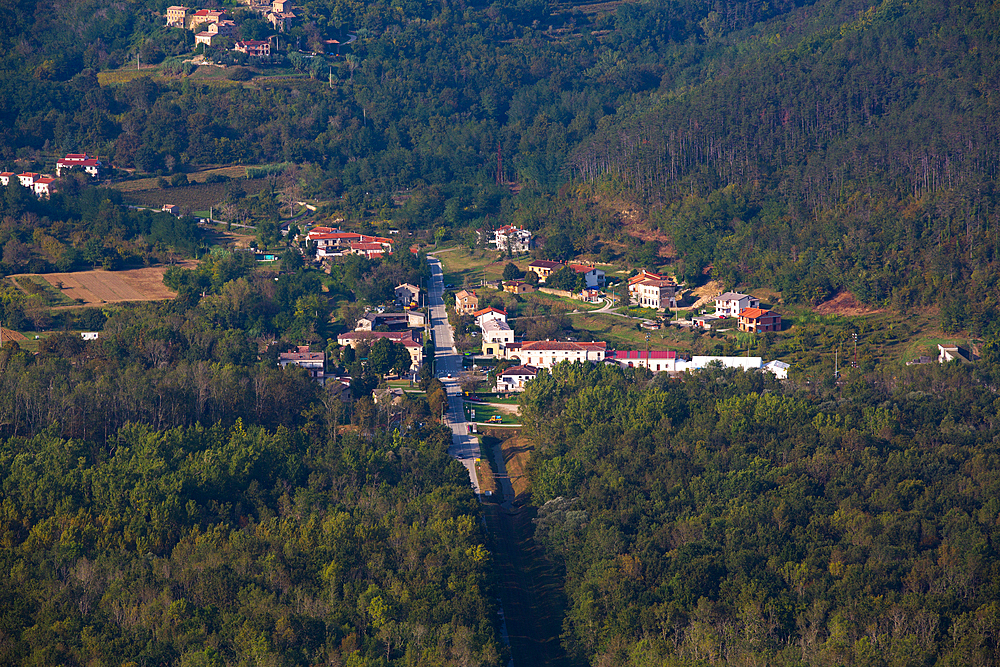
(7, 334)
(845, 304)
(99, 286)
(516, 454)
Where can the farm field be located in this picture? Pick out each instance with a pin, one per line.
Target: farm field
(99, 286)
(200, 196)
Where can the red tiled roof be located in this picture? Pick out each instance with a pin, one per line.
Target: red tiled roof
(541, 345)
(45, 181)
(627, 355)
(579, 268)
(523, 369)
(754, 313)
(367, 246)
(404, 337)
(491, 309)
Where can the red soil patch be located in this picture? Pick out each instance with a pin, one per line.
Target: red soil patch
(845, 304)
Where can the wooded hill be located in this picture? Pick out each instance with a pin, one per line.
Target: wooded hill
(724, 519)
(811, 146)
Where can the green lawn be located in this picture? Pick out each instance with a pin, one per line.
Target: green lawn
(483, 411)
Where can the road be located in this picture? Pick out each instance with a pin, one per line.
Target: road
(448, 365)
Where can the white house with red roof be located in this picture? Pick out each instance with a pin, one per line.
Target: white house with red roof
(490, 313)
(81, 161)
(515, 377)
(43, 186)
(5, 177)
(593, 277)
(27, 179)
(548, 353)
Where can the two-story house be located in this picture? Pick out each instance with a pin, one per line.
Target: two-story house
(731, 304)
(407, 295)
(489, 314)
(466, 302)
(546, 353)
(544, 268)
(515, 377)
(759, 320)
(593, 277)
(509, 238)
(313, 362)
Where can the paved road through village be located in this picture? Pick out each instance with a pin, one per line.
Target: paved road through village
(448, 364)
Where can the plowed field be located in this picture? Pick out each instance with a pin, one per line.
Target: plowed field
(97, 287)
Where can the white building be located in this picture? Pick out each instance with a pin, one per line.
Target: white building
(779, 368)
(654, 293)
(489, 314)
(511, 238)
(593, 277)
(546, 353)
(730, 304)
(514, 378)
(82, 161)
(497, 336)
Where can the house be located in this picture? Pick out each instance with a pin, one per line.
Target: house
(313, 362)
(222, 28)
(206, 16)
(369, 250)
(593, 277)
(489, 314)
(517, 287)
(655, 360)
(497, 336)
(406, 338)
(511, 239)
(513, 378)
(5, 177)
(281, 6)
(758, 320)
(177, 16)
(27, 179)
(948, 353)
(417, 320)
(281, 21)
(466, 302)
(656, 293)
(43, 186)
(172, 209)
(546, 354)
(731, 304)
(544, 268)
(646, 275)
(407, 294)
(779, 368)
(391, 321)
(90, 335)
(254, 48)
(592, 296)
(72, 161)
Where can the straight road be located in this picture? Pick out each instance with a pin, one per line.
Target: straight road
(448, 363)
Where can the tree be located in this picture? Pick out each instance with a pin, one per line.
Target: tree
(511, 272)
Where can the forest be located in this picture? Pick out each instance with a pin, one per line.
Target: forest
(727, 519)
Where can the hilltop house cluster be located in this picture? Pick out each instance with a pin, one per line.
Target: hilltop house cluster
(211, 24)
(332, 242)
(43, 185)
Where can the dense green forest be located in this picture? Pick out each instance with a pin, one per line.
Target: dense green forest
(725, 519)
(241, 545)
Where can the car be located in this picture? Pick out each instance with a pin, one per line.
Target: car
(449, 374)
